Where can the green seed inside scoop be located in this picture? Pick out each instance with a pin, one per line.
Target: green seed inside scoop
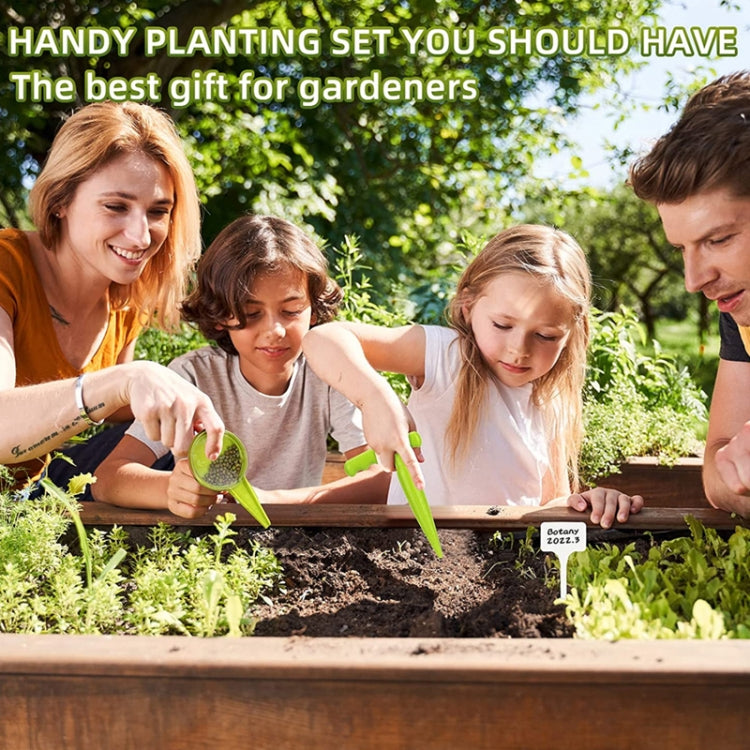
(226, 469)
(227, 473)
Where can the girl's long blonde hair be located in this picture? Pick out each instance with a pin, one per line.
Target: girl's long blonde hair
(88, 140)
(556, 259)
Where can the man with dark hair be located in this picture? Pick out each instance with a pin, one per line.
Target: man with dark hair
(698, 177)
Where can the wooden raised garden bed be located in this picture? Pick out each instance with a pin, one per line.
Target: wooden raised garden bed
(677, 486)
(301, 692)
(77, 692)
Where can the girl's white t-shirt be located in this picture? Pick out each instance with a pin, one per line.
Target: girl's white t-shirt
(508, 456)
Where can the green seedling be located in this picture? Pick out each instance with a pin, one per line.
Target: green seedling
(416, 498)
(227, 473)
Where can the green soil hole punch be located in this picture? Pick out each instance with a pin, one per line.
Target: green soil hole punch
(417, 499)
(227, 473)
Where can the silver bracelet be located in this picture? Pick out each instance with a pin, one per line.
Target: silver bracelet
(83, 412)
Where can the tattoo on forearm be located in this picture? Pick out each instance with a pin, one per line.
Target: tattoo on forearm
(17, 451)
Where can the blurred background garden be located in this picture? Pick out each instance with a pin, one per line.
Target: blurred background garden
(399, 193)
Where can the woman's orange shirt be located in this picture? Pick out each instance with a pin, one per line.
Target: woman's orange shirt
(39, 358)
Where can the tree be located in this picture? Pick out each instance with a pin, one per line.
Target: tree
(406, 177)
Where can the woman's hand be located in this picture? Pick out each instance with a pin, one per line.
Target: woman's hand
(185, 496)
(606, 505)
(171, 409)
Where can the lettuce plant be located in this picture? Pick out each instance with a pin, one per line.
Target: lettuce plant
(695, 586)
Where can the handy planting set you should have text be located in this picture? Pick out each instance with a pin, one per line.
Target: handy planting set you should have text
(361, 44)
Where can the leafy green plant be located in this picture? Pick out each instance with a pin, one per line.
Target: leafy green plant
(636, 403)
(430, 299)
(193, 587)
(41, 583)
(695, 586)
(11, 477)
(359, 304)
(203, 586)
(523, 547)
(617, 357)
(159, 346)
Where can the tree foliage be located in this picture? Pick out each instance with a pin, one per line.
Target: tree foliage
(407, 178)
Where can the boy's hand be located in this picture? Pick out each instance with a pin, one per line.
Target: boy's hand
(606, 505)
(185, 496)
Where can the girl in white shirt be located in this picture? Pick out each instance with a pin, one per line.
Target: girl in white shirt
(496, 396)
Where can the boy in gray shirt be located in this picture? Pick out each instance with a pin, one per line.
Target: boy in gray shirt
(261, 284)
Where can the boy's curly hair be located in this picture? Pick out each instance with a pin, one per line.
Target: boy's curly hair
(249, 246)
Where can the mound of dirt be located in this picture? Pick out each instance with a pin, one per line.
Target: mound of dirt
(374, 582)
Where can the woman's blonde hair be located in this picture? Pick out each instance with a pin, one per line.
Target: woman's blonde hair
(87, 141)
(556, 259)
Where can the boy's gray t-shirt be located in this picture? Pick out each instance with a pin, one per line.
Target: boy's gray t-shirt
(285, 436)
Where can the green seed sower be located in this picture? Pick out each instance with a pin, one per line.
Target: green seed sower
(417, 498)
(227, 473)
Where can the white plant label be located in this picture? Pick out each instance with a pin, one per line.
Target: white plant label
(562, 538)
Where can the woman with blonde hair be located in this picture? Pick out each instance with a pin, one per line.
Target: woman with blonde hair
(117, 233)
(496, 395)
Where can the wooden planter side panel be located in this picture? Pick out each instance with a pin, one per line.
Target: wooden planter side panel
(662, 486)
(401, 516)
(80, 714)
(290, 693)
(679, 486)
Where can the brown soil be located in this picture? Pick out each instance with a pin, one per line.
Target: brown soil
(389, 583)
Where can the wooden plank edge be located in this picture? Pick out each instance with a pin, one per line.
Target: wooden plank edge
(400, 516)
(379, 659)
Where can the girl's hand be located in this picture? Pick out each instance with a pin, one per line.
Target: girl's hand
(171, 409)
(606, 505)
(387, 422)
(185, 496)
(348, 357)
